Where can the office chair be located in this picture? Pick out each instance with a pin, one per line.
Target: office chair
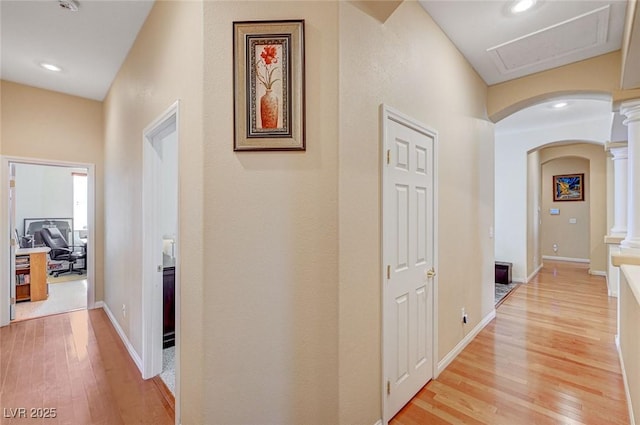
(60, 250)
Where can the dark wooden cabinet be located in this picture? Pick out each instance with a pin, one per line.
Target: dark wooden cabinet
(169, 307)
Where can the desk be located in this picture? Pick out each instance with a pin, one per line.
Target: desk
(31, 274)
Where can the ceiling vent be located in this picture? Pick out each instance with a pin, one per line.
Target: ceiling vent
(71, 5)
(583, 32)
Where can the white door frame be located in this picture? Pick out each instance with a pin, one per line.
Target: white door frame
(152, 289)
(388, 113)
(5, 232)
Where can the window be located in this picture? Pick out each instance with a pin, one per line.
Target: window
(79, 205)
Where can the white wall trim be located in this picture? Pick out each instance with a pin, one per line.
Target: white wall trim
(632, 420)
(442, 364)
(534, 273)
(567, 259)
(597, 273)
(151, 307)
(98, 304)
(132, 352)
(379, 422)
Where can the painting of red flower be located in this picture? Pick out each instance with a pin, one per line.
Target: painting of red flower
(269, 55)
(266, 72)
(268, 82)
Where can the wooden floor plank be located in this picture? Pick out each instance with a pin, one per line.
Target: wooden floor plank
(549, 357)
(75, 363)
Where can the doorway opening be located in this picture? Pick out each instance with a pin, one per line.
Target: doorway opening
(49, 220)
(161, 248)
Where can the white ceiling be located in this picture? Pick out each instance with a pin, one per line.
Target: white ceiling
(502, 46)
(89, 45)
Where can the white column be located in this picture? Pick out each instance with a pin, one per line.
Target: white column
(620, 176)
(631, 110)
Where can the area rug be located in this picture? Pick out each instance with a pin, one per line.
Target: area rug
(503, 290)
(66, 278)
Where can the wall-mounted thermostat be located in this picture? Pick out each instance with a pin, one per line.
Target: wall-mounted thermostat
(554, 211)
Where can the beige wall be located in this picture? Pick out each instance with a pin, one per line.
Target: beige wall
(597, 189)
(408, 64)
(164, 65)
(572, 239)
(534, 255)
(271, 252)
(599, 75)
(48, 125)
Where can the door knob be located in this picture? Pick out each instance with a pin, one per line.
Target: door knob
(431, 273)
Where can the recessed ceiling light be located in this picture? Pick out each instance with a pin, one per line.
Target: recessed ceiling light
(520, 6)
(50, 67)
(560, 105)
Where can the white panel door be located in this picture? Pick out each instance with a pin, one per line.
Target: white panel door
(408, 254)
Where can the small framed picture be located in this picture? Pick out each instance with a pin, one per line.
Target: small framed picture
(568, 187)
(268, 76)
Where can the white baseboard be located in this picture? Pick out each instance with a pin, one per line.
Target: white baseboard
(379, 422)
(567, 259)
(597, 273)
(632, 420)
(132, 352)
(442, 364)
(535, 272)
(98, 304)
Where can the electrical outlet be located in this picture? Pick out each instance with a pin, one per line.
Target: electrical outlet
(124, 310)
(464, 316)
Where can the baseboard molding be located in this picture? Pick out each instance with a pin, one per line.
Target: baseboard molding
(379, 422)
(98, 304)
(132, 352)
(535, 272)
(632, 420)
(519, 280)
(442, 364)
(566, 259)
(597, 273)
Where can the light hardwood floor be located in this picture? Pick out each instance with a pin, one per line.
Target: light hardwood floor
(549, 357)
(76, 364)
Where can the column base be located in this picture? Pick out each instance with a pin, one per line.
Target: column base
(614, 238)
(631, 243)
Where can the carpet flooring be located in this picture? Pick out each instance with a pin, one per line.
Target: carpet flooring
(63, 297)
(503, 290)
(168, 374)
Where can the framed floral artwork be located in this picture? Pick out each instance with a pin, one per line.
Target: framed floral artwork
(568, 187)
(268, 71)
